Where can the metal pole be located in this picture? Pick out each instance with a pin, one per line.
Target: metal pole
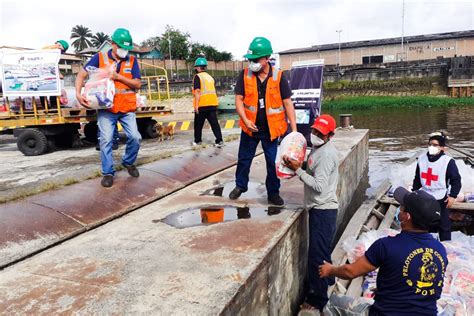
(339, 52)
(171, 63)
(403, 28)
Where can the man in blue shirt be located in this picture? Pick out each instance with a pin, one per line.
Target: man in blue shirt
(411, 264)
(126, 79)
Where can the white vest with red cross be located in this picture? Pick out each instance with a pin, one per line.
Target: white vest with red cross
(433, 175)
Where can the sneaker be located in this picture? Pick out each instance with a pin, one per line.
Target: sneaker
(107, 181)
(197, 144)
(219, 144)
(132, 170)
(276, 200)
(235, 193)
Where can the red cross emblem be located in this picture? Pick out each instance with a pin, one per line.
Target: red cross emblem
(429, 176)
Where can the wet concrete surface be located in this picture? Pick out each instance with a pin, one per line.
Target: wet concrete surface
(137, 264)
(22, 176)
(215, 214)
(87, 204)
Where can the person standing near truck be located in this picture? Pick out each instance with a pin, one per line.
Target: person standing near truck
(127, 81)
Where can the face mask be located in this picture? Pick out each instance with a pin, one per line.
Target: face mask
(122, 53)
(316, 141)
(433, 150)
(255, 67)
(397, 219)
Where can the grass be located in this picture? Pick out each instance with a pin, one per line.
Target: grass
(390, 101)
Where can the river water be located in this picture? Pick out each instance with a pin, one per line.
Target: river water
(399, 133)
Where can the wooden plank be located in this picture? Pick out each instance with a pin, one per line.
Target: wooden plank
(388, 220)
(456, 206)
(356, 222)
(463, 207)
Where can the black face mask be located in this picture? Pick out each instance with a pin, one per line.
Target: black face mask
(196, 71)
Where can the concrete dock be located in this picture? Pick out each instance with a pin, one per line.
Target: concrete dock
(252, 261)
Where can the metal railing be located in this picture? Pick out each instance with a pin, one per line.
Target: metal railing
(153, 84)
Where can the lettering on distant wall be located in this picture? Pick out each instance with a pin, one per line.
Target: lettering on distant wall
(419, 48)
(440, 49)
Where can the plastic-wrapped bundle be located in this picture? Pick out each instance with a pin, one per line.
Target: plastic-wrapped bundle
(356, 248)
(293, 146)
(99, 90)
(458, 290)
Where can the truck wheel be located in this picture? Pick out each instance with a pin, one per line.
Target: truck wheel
(90, 132)
(150, 130)
(32, 142)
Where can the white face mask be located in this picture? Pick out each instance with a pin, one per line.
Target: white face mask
(433, 150)
(255, 67)
(316, 141)
(122, 53)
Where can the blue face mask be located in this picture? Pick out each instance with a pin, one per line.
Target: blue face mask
(397, 219)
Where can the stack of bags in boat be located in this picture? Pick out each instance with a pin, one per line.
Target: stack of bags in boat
(458, 289)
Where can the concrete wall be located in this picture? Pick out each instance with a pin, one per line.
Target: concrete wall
(391, 53)
(276, 286)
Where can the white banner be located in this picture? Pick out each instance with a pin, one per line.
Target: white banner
(30, 73)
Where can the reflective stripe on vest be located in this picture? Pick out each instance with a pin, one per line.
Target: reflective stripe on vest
(251, 108)
(125, 98)
(208, 96)
(433, 175)
(274, 109)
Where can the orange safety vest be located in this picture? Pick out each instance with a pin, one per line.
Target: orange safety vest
(208, 91)
(125, 99)
(275, 110)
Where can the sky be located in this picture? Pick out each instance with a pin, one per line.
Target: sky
(231, 25)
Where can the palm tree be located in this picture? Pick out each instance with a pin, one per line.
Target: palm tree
(82, 36)
(99, 38)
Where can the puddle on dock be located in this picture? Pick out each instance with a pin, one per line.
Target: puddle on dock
(255, 190)
(209, 215)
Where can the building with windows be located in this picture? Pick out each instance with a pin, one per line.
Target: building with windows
(382, 51)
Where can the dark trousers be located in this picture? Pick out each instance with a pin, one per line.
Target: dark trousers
(444, 228)
(322, 227)
(199, 119)
(248, 146)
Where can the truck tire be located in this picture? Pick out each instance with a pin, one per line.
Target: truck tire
(150, 130)
(90, 132)
(32, 142)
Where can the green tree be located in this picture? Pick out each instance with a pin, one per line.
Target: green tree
(179, 43)
(81, 36)
(99, 38)
(154, 41)
(225, 56)
(208, 51)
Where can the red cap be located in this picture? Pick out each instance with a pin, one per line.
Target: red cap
(325, 124)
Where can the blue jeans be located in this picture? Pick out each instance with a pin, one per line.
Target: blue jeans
(116, 135)
(107, 123)
(322, 227)
(247, 148)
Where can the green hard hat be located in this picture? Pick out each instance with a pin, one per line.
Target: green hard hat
(201, 61)
(259, 47)
(123, 39)
(64, 44)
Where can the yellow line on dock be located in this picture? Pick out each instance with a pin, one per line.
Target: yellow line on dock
(185, 125)
(229, 124)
